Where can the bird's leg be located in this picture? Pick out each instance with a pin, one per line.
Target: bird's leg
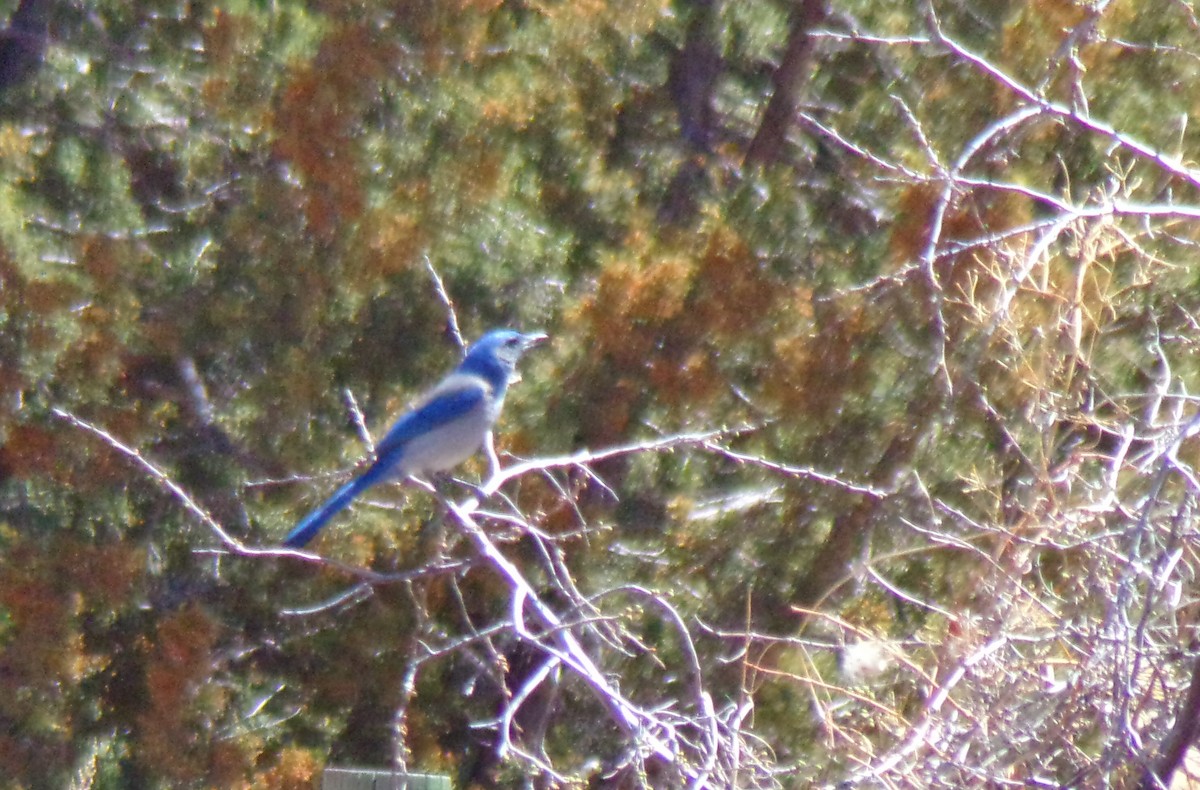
(489, 448)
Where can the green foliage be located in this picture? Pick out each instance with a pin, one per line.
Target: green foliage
(215, 221)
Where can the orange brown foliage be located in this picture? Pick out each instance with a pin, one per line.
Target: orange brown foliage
(177, 669)
(394, 241)
(30, 452)
(1059, 15)
(642, 320)
(47, 592)
(100, 260)
(294, 770)
(810, 373)
(633, 301)
(42, 297)
(969, 275)
(41, 633)
(1039, 30)
(733, 291)
(319, 119)
(103, 574)
(221, 37)
(658, 319)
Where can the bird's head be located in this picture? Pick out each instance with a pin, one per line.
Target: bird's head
(494, 356)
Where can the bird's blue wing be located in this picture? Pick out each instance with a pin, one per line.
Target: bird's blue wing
(449, 401)
(441, 430)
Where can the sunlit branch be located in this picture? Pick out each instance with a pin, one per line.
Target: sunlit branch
(231, 544)
(641, 725)
(439, 286)
(1171, 164)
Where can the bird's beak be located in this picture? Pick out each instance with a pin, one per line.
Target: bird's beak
(534, 339)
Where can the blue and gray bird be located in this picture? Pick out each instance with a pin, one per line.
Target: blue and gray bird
(444, 428)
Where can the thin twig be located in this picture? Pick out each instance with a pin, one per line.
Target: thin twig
(444, 295)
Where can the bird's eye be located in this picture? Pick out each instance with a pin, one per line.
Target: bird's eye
(512, 341)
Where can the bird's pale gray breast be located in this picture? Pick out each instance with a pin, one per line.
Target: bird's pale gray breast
(450, 444)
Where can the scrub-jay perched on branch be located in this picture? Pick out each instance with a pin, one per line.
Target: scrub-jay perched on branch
(443, 429)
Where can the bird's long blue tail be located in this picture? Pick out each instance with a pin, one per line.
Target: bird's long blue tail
(307, 529)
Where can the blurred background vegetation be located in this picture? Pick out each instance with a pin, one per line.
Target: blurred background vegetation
(930, 267)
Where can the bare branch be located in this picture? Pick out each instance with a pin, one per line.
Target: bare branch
(451, 313)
